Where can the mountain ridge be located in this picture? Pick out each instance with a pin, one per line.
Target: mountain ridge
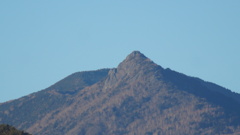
(137, 97)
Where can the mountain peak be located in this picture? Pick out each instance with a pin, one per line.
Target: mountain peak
(137, 97)
(136, 56)
(135, 64)
(134, 61)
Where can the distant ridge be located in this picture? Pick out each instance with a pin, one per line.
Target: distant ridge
(137, 97)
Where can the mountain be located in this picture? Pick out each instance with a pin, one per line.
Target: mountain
(137, 97)
(9, 130)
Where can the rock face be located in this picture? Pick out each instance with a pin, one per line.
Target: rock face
(137, 97)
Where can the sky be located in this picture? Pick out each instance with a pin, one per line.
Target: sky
(43, 41)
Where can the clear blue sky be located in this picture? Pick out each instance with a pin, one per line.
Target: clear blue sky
(43, 41)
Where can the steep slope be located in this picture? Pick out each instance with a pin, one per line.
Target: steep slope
(35, 106)
(137, 97)
(212, 93)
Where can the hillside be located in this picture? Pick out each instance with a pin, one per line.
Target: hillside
(137, 97)
(9, 130)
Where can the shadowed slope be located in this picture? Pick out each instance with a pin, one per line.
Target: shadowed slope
(9, 130)
(78, 81)
(212, 93)
(35, 106)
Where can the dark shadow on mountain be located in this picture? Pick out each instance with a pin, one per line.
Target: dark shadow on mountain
(211, 92)
(77, 81)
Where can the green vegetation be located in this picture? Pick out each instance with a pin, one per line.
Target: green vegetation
(9, 130)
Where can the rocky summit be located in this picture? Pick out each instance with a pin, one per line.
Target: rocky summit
(138, 97)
